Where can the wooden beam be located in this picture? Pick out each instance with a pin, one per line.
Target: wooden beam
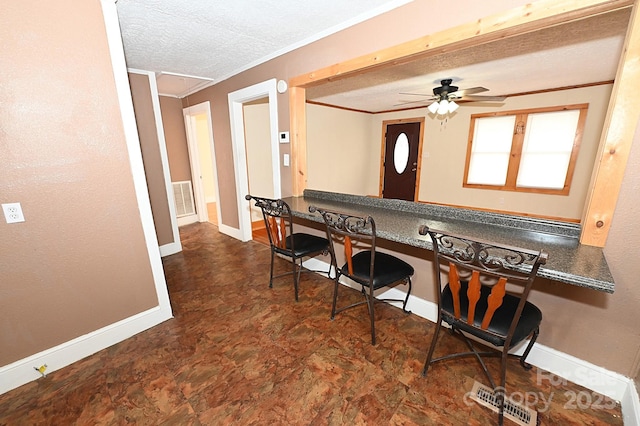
(624, 107)
(521, 20)
(616, 140)
(298, 139)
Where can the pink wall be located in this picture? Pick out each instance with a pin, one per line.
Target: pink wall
(176, 138)
(79, 262)
(150, 146)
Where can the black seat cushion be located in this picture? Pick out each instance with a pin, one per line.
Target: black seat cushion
(387, 269)
(501, 321)
(305, 244)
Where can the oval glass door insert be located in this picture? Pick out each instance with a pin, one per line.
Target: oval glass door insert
(401, 153)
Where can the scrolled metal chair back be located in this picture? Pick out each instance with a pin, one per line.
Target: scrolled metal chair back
(355, 231)
(277, 219)
(271, 207)
(477, 263)
(348, 225)
(514, 263)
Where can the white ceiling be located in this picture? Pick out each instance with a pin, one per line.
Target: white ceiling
(192, 44)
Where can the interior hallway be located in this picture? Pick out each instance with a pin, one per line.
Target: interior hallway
(240, 353)
(212, 213)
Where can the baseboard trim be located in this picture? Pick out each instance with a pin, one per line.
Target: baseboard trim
(630, 404)
(22, 372)
(561, 365)
(187, 220)
(171, 248)
(232, 232)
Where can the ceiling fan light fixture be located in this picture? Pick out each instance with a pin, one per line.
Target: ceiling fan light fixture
(443, 108)
(433, 108)
(452, 107)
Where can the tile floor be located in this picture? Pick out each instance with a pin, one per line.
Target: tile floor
(239, 353)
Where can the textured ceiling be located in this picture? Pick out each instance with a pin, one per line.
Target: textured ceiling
(216, 39)
(577, 53)
(190, 44)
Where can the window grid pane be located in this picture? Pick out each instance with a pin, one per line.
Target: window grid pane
(551, 131)
(547, 148)
(490, 151)
(543, 171)
(493, 134)
(488, 169)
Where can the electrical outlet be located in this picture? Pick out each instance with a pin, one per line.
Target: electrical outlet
(13, 212)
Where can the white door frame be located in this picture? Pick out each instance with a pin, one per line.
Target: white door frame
(194, 159)
(236, 115)
(176, 245)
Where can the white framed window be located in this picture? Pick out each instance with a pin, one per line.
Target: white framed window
(531, 150)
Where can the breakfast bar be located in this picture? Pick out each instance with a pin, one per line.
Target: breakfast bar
(396, 220)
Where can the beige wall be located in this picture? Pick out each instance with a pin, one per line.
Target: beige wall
(257, 139)
(206, 158)
(343, 151)
(176, 138)
(79, 262)
(443, 154)
(150, 146)
(593, 326)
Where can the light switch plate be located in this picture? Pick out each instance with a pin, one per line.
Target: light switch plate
(284, 137)
(286, 160)
(13, 212)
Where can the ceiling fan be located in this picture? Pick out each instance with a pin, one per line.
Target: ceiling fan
(444, 96)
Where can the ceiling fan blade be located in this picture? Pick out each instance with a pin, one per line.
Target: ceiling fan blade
(469, 91)
(482, 98)
(412, 102)
(417, 94)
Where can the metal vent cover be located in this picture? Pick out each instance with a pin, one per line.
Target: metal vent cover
(183, 198)
(485, 396)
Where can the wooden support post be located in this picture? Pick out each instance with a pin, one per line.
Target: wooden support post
(298, 139)
(617, 137)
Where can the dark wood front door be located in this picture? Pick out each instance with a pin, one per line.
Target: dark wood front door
(402, 146)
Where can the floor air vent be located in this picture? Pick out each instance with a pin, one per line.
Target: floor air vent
(523, 416)
(183, 197)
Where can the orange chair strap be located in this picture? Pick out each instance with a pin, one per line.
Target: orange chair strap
(348, 253)
(454, 286)
(473, 294)
(494, 301)
(275, 234)
(283, 233)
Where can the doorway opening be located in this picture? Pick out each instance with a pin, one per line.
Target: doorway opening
(401, 158)
(263, 98)
(259, 172)
(197, 120)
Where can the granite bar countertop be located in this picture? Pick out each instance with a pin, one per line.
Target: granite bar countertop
(396, 220)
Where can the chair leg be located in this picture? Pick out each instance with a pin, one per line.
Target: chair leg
(370, 303)
(523, 363)
(432, 347)
(271, 270)
(500, 391)
(296, 275)
(330, 264)
(473, 351)
(335, 295)
(404, 305)
(500, 402)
